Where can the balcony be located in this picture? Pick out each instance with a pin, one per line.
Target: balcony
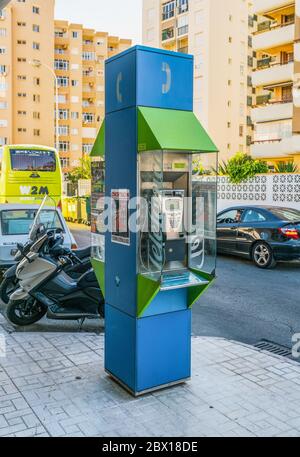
(61, 39)
(168, 34)
(263, 6)
(276, 36)
(274, 74)
(273, 111)
(276, 148)
(181, 31)
(184, 50)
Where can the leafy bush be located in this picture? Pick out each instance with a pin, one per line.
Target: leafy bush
(81, 172)
(286, 167)
(242, 167)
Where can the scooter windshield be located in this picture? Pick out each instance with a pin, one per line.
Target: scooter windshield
(46, 218)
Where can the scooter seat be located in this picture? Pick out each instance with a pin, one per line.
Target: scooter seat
(83, 253)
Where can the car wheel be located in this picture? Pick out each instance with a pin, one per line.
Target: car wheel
(262, 256)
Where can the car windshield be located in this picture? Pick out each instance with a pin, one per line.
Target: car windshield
(19, 222)
(286, 214)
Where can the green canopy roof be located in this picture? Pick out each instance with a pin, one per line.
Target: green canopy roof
(99, 145)
(171, 130)
(164, 129)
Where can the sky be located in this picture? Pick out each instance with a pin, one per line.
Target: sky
(117, 17)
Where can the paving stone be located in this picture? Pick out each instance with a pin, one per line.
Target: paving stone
(55, 385)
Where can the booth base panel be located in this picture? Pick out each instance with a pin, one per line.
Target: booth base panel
(150, 353)
(145, 392)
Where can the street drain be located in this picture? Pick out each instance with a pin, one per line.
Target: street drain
(275, 348)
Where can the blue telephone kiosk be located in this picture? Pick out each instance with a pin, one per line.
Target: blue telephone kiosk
(160, 254)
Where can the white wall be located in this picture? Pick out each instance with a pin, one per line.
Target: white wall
(273, 189)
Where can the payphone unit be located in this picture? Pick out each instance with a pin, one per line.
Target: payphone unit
(153, 274)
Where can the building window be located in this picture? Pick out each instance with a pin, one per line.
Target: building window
(36, 28)
(87, 148)
(36, 132)
(36, 10)
(2, 32)
(3, 69)
(88, 56)
(63, 81)
(21, 42)
(3, 105)
(65, 162)
(3, 122)
(21, 24)
(36, 115)
(36, 81)
(60, 64)
(36, 98)
(22, 77)
(75, 83)
(88, 118)
(75, 34)
(21, 59)
(2, 50)
(21, 113)
(63, 130)
(36, 46)
(3, 141)
(241, 130)
(21, 94)
(168, 10)
(22, 130)
(63, 114)
(64, 146)
(74, 115)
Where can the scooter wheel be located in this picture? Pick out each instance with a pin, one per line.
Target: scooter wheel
(25, 312)
(8, 286)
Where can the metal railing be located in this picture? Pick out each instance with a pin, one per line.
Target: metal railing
(183, 30)
(269, 25)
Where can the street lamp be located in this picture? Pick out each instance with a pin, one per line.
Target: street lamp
(38, 64)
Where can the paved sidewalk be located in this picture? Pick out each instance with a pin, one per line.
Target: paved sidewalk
(55, 385)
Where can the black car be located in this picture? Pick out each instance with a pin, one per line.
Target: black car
(264, 234)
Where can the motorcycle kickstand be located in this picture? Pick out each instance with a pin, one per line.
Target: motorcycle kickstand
(81, 322)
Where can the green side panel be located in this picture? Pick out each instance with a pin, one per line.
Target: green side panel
(172, 130)
(99, 268)
(194, 293)
(146, 138)
(147, 290)
(99, 145)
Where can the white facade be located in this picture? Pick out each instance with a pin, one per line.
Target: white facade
(217, 34)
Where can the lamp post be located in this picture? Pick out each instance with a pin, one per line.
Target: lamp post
(38, 64)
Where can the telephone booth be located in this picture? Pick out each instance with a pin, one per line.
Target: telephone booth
(153, 217)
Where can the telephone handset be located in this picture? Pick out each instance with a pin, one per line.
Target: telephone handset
(172, 208)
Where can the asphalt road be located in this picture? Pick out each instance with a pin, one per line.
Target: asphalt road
(245, 304)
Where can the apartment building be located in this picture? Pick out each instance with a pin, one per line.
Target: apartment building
(79, 59)
(26, 95)
(276, 77)
(218, 34)
(35, 52)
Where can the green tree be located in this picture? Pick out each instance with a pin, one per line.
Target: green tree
(242, 167)
(83, 171)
